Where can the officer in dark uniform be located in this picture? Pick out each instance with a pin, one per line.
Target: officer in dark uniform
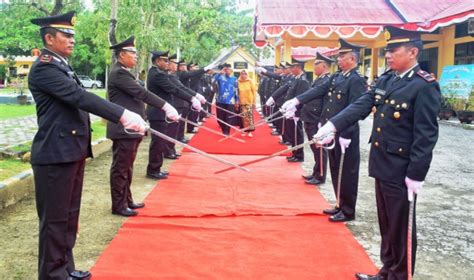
(404, 134)
(62, 144)
(293, 124)
(124, 90)
(159, 83)
(311, 116)
(342, 89)
(276, 99)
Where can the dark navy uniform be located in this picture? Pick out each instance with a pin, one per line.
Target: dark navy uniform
(339, 91)
(294, 127)
(58, 154)
(123, 89)
(311, 116)
(404, 133)
(159, 82)
(278, 96)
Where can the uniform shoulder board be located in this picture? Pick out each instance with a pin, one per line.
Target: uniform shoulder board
(426, 76)
(46, 58)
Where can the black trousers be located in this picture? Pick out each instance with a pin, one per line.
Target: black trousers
(294, 134)
(278, 123)
(183, 111)
(311, 129)
(194, 117)
(124, 152)
(392, 210)
(58, 191)
(350, 173)
(157, 147)
(171, 131)
(226, 117)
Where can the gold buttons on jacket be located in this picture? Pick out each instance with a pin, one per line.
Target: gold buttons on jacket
(73, 132)
(382, 115)
(330, 93)
(392, 101)
(338, 96)
(400, 150)
(379, 129)
(396, 115)
(398, 106)
(376, 144)
(327, 109)
(378, 96)
(386, 100)
(404, 105)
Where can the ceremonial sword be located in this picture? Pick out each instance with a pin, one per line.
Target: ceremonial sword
(259, 123)
(409, 238)
(225, 110)
(219, 120)
(211, 130)
(312, 141)
(339, 178)
(172, 140)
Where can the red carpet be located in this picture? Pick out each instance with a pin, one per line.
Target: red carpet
(299, 248)
(193, 190)
(261, 144)
(263, 224)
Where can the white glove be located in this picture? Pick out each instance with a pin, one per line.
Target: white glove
(201, 98)
(290, 105)
(344, 144)
(171, 112)
(270, 102)
(289, 114)
(261, 70)
(133, 121)
(210, 67)
(413, 187)
(319, 125)
(196, 104)
(325, 134)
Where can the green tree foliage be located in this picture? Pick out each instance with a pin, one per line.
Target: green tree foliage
(206, 26)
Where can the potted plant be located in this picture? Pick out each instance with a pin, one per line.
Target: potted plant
(22, 99)
(466, 116)
(447, 110)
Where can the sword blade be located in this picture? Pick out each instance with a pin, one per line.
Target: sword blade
(268, 157)
(409, 238)
(259, 123)
(339, 178)
(172, 140)
(221, 121)
(225, 110)
(211, 130)
(321, 170)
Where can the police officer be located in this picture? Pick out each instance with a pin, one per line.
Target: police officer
(159, 83)
(311, 116)
(62, 144)
(293, 124)
(342, 89)
(405, 131)
(124, 90)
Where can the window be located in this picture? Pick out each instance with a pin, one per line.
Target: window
(464, 53)
(461, 30)
(428, 60)
(25, 66)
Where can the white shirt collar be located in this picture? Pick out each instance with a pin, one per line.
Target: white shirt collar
(404, 73)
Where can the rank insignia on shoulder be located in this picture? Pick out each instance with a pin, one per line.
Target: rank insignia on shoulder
(426, 76)
(45, 58)
(380, 91)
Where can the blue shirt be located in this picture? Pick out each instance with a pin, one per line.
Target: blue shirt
(227, 93)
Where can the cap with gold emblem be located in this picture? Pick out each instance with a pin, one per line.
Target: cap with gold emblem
(322, 58)
(174, 58)
(159, 54)
(396, 37)
(296, 62)
(63, 23)
(345, 47)
(127, 45)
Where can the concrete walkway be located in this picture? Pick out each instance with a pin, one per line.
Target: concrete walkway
(19, 130)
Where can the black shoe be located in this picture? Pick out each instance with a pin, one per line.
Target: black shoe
(157, 175)
(127, 212)
(134, 205)
(171, 156)
(165, 173)
(314, 181)
(290, 157)
(77, 274)
(295, 160)
(340, 217)
(362, 276)
(331, 211)
(192, 132)
(307, 177)
(276, 133)
(184, 140)
(177, 155)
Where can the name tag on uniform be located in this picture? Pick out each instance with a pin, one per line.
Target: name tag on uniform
(380, 91)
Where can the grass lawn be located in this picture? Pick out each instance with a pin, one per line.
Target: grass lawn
(98, 129)
(8, 111)
(11, 167)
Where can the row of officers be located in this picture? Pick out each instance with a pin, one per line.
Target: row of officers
(405, 131)
(405, 102)
(175, 92)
